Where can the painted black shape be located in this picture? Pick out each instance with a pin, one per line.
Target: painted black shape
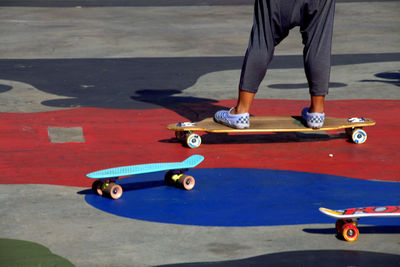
(4, 88)
(139, 3)
(301, 85)
(325, 258)
(142, 83)
(127, 83)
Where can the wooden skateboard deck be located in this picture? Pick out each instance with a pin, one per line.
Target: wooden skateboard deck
(183, 131)
(346, 223)
(105, 183)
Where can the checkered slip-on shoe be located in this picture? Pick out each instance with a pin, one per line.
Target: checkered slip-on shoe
(239, 121)
(314, 120)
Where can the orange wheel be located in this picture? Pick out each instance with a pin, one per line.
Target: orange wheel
(350, 232)
(187, 182)
(114, 190)
(96, 187)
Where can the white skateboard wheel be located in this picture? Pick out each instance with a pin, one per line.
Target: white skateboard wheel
(359, 136)
(193, 140)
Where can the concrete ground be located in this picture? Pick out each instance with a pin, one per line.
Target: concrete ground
(137, 56)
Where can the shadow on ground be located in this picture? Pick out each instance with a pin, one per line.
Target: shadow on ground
(388, 229)
(332, 258)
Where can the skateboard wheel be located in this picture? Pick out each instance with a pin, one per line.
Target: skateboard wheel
(350, 232)
(178, 179)
(359, 136)
(180, 135)
(96, 187)
(193, 140)
(114, 190)
(186, 181)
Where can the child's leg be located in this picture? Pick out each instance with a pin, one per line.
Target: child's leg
(260, 49)
(317, 104)
(245, 99)
(317, 30)
(273, 20)
(258, 55)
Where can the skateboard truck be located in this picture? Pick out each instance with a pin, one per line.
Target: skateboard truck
(347, 228)
(178, 178)
(346, 220)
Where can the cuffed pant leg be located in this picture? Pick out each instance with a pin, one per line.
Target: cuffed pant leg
(317, 31)
(260, 50)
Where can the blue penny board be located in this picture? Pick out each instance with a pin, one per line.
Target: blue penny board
(188, 163)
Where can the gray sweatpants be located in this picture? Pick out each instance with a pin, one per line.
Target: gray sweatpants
(272, 21)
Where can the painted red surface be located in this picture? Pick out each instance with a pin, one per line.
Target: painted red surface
(125, 137)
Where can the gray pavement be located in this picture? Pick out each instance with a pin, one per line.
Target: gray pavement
(205, 46)
(60, 219)
(366, 54)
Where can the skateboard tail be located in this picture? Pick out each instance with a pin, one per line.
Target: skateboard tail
(330, 212)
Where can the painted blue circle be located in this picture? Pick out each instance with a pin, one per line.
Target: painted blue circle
(247, 197)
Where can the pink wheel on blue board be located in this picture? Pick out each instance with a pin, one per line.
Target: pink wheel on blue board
(96, 187)
(186, 181)
(114, 191)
